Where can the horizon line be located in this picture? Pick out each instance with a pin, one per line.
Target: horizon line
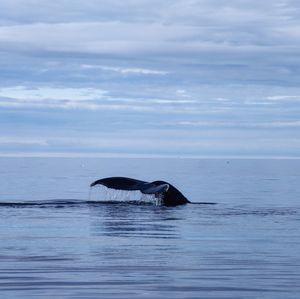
(137, 156)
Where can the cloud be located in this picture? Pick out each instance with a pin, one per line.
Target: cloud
(145, 11)
(203, 41)
(241, 124)
(5, 140)
(284, 98)
(125, 38)
(80, 98)
(220, 73)
(72, 105)
(212, 142)
(40, 94)
(123, 70)
(97, 37)
(171, 102)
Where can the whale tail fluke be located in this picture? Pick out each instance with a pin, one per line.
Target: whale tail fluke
(169, 194)
(119, 183)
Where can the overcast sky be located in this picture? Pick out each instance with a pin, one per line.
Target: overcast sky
(140, 77)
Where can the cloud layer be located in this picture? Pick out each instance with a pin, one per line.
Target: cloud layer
(180, 77)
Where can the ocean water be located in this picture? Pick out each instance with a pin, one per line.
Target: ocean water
(58, 240)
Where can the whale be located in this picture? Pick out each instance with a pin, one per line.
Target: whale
(168, 194)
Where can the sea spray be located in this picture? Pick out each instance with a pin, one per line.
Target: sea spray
(104, 194)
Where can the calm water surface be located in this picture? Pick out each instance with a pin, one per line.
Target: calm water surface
(55, 244)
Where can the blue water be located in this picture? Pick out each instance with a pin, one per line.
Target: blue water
(55, 243)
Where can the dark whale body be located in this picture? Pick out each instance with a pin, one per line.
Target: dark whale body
(169, 195)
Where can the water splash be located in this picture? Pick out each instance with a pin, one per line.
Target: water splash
(104, 194)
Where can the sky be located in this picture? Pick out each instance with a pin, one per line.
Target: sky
(177, 78)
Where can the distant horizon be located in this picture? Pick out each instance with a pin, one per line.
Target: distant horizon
(140, 156)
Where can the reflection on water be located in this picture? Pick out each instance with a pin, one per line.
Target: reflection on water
(83, 248)
(246, 246)
(139, 221)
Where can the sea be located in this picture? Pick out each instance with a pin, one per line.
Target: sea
(61, 239)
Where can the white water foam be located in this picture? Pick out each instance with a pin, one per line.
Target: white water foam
(104, 194)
